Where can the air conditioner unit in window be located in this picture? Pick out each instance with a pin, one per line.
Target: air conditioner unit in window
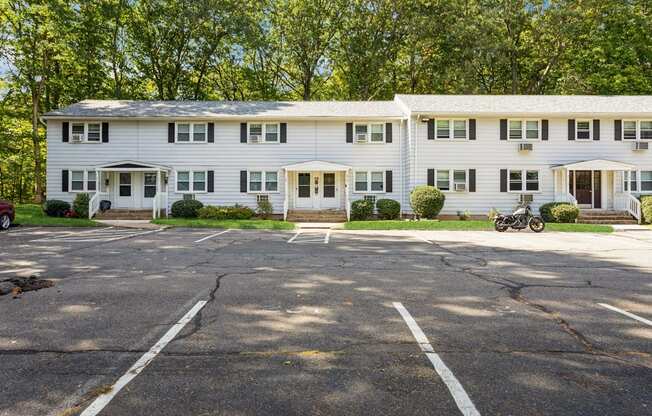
(526, 198)
(262, 197)
(254, 138)
(361, 138)
(525, 147)
(460, 187)
(77, 138)
(641, 146)
(187, 197)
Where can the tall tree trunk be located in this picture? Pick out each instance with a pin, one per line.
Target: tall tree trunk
(36, 144)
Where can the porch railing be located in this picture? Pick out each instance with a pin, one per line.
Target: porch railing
(633, 206)
(571, 199)
(160, 202)
(94, 203)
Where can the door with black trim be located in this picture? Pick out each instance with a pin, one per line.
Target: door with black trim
(584, 188)
(303, 191)
(125, 190)
(329, 194)
(149, 189)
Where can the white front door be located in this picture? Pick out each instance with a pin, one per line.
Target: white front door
(330, 196)
(304, 191)
(149, 189)
(125, 190)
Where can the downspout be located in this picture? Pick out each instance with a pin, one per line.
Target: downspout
(400, 163)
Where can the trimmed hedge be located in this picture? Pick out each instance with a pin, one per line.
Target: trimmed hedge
(565, 213)
(545, 210)
(361, 210)
(236, 212)
(646, 208)
(426, 201)
(55, 208)
(186, 208)
(80, 205)
(388, 209)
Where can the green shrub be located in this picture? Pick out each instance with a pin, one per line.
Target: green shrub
(186, 208)
(464, 215)
(55, 207)
(545, 210)
(265, 209)
(80, 205)
(361, 210)
(646, 208)
(565, 213)
(426, 201)
(493, 213)
(236, 212)
(388, 209)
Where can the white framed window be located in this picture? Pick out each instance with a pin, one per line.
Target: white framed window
(451, 129)
(524, 180)
(86, 132)
(188, 181)
(369, 133)
(583, 129)
(77, 180)
(451, 179)
(646, 181)
(633, 182)
(520, 129)
(190, 132)
(369, 181)
(82, 181)
(91, 181)
(262, 181)
(637, 129)
(263, 132)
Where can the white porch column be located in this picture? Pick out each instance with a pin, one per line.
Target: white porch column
(157, 195)
(567, 186)
(555, 186)
(347, 178)
(286, 197)
(629, 182)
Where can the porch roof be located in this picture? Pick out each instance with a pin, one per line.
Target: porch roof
(131, 166)
(595, 164)
(316, 165)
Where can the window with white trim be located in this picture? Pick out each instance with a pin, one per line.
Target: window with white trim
(583, 129)
(82, 181)
(191, 181)
(94, 132)
(77, 180)
(452, 129)
(86, 132)
(528, 129)
(523, 180)
(446, 179)
(646, 181)
(263, 133)
(262, 181)
(369, 133)
(369, 181)
(632, 182)
(91, 180)
(637, 129)
(190, 132)
(443, 180)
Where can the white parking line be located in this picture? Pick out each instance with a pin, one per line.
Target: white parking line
(457, 391)
(101, 401)
(327, 237)
(97, 235)
(628, 314)
(212, 235)
(294, 237)
(418, 237)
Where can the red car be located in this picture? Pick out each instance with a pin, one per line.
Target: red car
(7, 214)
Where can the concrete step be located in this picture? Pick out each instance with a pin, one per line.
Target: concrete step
(125, 214)
(621, 221)
(326, 216)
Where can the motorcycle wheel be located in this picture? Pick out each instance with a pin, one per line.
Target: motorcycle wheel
(537, 225)
(499, 227)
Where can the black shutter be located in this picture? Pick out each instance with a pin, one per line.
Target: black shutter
(243, 181)
(596, 129)
(571, 129)
(65, 131)
(64, 180)
(349, 132)
(210, 186)
(471, 180)
(211, 135)
(503, 180)
(284, 132)
(544, 129)
(618, 130)
(431, 177)
(472, 129)
(243, 133)
(170, 132)
(105, 132)
(431, 129)
(503, 129)
(389, 181)
(388, 132)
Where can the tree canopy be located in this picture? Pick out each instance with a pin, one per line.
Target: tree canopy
(56, 52)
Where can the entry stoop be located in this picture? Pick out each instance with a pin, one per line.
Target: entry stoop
(323, 216)
(605, 217)
(125, 214)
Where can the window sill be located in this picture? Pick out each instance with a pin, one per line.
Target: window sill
(204, 142)
(436, 139)
(190, 192)
(263, 192)
(525, 192)
(262, 143)
(369, 192)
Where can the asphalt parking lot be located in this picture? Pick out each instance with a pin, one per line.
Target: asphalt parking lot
(207, 322)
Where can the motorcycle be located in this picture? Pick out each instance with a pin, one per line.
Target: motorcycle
(519, 220)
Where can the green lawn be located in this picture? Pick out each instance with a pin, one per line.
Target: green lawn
(32, 214)
(254, 224)
(456, 225)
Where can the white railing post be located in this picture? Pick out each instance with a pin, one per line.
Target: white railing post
(286, 197)
(346, 195)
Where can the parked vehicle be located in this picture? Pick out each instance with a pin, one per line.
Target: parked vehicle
(7, 214)
(519, 220)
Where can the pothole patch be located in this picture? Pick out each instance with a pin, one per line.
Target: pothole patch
(17, 285)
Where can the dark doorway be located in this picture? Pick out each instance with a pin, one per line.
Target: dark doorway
(583, 187)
